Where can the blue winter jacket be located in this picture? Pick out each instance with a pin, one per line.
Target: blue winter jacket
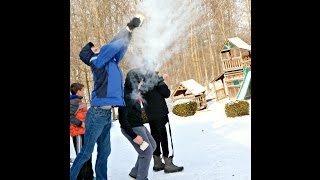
(107, 75)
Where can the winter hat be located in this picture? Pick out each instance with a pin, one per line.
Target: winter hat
(86, 53)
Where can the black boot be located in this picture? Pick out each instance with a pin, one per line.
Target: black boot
(158, 164)
(170, 167)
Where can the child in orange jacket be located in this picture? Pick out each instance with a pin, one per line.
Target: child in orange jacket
(78, 110)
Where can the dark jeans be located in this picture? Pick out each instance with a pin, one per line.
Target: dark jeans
(159, 133)
(98, 124)
(86, 172)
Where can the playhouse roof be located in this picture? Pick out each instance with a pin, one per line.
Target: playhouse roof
(235, 42)
(221, 76)
(192, 86)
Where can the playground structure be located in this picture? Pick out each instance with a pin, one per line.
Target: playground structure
(236, 63)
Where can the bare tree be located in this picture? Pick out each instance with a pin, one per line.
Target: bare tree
(99, 20)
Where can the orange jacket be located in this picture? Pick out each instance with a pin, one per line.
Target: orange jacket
(78, 111)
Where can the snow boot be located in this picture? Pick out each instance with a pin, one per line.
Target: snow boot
(169, 167)
(158, 164)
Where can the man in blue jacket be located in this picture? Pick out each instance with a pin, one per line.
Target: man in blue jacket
(107, 92)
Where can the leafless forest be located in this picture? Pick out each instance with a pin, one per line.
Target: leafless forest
(198, 55)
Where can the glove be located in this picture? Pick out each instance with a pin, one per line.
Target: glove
(135, 22)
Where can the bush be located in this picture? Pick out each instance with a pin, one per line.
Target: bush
(236, 108)
(185, 109)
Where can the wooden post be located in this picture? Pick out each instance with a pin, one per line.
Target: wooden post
(241, 59)
(226, 87)
(214, 89)
(114, 117)
(223, 67)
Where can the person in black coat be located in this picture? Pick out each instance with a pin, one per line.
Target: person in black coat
(132, 127)
(155, 91)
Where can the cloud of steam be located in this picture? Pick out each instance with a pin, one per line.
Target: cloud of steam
(165, 30)
(149, 80)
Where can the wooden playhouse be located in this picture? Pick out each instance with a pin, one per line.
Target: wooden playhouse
(235, 57)
(192, 90)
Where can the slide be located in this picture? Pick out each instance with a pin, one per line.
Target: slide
(245, 85)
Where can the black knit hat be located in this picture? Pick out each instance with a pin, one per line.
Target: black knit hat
(86, 53)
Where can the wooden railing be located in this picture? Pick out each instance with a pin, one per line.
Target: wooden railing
(233, 64)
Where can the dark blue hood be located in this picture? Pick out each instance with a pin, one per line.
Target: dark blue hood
(86, 53)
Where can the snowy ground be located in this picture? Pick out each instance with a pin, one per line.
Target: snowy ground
(209, 145)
